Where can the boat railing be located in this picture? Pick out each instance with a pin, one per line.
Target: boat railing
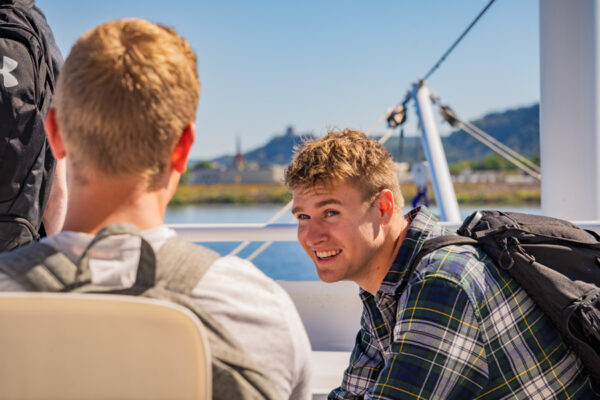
(279, 232)
(236, 232)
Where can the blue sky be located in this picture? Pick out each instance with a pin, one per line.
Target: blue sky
(323, 64)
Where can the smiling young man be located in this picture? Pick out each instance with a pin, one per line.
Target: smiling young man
(459, 329)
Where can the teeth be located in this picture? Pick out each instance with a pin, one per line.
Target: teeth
(327, 254)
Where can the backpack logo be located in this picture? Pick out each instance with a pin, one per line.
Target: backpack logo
(8, 64)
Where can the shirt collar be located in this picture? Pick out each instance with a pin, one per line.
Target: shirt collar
(422, 225)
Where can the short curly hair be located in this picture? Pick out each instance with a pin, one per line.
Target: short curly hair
(347, 156)
(125, 94)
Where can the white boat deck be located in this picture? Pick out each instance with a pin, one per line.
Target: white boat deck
(331, 315)
(328, 369)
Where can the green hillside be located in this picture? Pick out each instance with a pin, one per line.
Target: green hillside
(517, 128)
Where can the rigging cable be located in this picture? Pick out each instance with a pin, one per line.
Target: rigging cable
(274, 218)
(510, 151)
(379, 121)
(401, 145)
(500, 151)
(506, 152)
(441, 60)
(387, 135)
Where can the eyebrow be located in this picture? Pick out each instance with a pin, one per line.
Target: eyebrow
(319, 204)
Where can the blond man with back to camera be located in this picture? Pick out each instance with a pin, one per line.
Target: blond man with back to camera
(459, 329)
(123, 118)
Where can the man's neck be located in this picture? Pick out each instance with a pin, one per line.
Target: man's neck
(387, 254)
(101, 202)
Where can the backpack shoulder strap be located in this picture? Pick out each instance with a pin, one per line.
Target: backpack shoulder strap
(176, 268)
(39, 267)
(437, 243)
(181, 265)
(432, 245)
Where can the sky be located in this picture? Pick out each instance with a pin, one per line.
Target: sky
(318, 65)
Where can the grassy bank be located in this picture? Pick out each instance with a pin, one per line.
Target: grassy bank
(231, 194)
(466, 193)
(483, 193)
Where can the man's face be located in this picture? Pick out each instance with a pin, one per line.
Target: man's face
(339, 231)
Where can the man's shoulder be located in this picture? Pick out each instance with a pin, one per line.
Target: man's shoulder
(232, 282)
(464, 265)
(452, 259)
(252, 306)
(241, 273)
(9, 284)
(14, 264)
(31, 253)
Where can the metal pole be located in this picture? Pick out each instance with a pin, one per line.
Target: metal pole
(569, 108)
(440, 175)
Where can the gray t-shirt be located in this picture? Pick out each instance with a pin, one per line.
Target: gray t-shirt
(251, 306)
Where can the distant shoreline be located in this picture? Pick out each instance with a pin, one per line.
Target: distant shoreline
(466, 194)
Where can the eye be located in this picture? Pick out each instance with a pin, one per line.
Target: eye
(301, 217)
(331, 213)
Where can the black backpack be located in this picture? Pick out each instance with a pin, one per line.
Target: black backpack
(29, 62)
(554, 261)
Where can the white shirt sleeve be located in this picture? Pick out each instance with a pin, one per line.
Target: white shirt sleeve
(262, 318)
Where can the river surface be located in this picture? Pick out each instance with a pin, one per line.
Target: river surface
(283, 260)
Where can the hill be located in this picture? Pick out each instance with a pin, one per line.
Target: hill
(279, 150)
(517, 128)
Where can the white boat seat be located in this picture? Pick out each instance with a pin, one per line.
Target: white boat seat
(330, 312)
(84, 346)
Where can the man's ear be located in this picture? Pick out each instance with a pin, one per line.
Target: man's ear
(181, 151)
(385, 203)
(54, 139)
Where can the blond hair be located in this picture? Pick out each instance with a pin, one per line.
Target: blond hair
(348, 157)
(125, 94)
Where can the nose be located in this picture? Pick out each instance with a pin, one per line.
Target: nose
(312, 233)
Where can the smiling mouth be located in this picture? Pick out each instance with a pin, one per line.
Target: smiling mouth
(325, 255)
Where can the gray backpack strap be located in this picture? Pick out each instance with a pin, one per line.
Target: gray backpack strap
(39, 267)
(182, 264)
(146, 270)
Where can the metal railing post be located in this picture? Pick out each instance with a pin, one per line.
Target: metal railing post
(440, 174)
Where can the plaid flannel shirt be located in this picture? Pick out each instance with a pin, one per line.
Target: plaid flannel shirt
(461, 329)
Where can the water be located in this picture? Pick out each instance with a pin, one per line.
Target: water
(282, 260)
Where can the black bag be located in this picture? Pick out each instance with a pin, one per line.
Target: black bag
(554, 261)
(29, 62)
